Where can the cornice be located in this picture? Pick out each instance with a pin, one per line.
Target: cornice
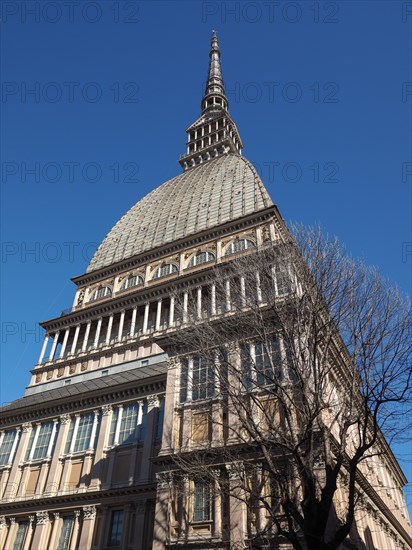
(175, 246)
(83, 401)
(65, 501)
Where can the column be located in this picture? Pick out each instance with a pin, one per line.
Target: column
(161, 526)
(10, 535)
(153, 404)
(54, 346)
(119, 421)
(41, 530)
(109, 329)
(217, 509)
(97, 335)
(185, 301)
(36, 436)
(55, 529)
(99, 455)
(146, 317)
(121, 324)
(75, 532)
(53, 435)
(140, 524)
(74, 343)
(86, 535)
(172, 311)
(103, 514)
(126, 526)
(15, 458)
(66, 337)
(3, 530)
(213, 300)
(94, 429)
(43, 349)
(242, 291)
(167, 436)
(237, 507)
(133, 454)
(86, 336)
(158, 313)
(199, 302)
(227, 293)
(75, 430)
(14, 447)
(52, 484)
(133, 323)
(258, 288)
(30, 530)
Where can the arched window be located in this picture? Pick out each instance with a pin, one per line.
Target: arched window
(132, 280)
(239, 245)
(101, 292)
(164, 270)
(201, 258)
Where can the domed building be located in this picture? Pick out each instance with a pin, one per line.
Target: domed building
(86, 453)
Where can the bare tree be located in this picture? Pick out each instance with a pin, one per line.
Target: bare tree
(302, 361)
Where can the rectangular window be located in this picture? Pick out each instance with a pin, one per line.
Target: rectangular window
(43, 440)
(21, 535)
(184, 373)
(282, 280)
(127, 433)
(202, 502)
(65, 533)
(84, 433)
(116, 528)
(246, 365)
(268, 365)
(7, 446)
(203, 378)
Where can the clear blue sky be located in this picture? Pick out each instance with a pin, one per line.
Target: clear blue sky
(319, 91)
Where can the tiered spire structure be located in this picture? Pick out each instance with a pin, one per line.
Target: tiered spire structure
(214, 133)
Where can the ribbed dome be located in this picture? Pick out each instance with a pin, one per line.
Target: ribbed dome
(221, 190)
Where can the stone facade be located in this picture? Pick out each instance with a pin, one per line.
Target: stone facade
(83, 454)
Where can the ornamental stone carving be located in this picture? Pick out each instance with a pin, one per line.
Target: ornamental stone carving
(76, 514)
(107, 409)
(31, 519)
(60, 372)
(153, 400)
(72, 369)
(56, 516)
(89, 512)
(83, 366)
(2, 522)
(42, 518)
(12, 521)
(140, 506)
(65, 419)
(49, 374)
(27, 427)
(173, 362)
(80, 298)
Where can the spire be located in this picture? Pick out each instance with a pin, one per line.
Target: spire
(215, 91)
(214, 133)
